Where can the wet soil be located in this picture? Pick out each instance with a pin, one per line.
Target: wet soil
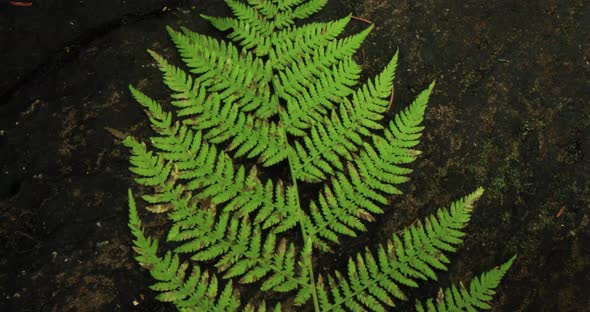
(510, 113)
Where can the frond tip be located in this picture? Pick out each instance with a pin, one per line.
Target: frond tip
(461, 298)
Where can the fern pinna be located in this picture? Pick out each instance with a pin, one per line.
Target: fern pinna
(285, 95)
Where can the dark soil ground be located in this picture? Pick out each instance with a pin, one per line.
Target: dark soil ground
(510, 113)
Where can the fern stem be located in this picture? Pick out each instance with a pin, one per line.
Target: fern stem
(316, 303)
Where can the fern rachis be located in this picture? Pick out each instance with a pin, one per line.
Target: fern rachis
(285, 95)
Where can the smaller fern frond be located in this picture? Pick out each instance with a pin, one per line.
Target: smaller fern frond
(153, 168)
(461, 298)
(381, 163)
(276, 264)
(198, 290)
(305, 262)
(406, 126)
(290, 43)
(340, 135)
(160, 120)
(221, 115)
(145, 247)
(252, 17)
(242, 33)
(267, 9)
(310, 104)
(237, 249)
(372, 97)
(308, 8)
(223, 121)
(256, 22)
(342, 206)
(358, 191)
(175, 78)
(223, 69)
(310, 68)
(372, 283)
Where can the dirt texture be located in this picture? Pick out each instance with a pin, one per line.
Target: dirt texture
(510, 113)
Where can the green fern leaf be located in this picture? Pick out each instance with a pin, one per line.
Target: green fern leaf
(290, 43)
(480, 292)
(405, 259)
(285, 94)
(345, 131)
(171, 274)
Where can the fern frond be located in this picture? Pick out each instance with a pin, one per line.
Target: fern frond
(289, 44)
(307, 105)
(251, 16)
(296, 78)
(223, 70)
(222, 121)
(153, 168)
(381, 163)
(245, 35)
(175, 78)
(308, 8)
(371, 284)
(267, 9)
(477, 296)
(223, 118)
(207, 170)
(160, 120)
(343, 205)
(341, 134)
(285, 92)
(238, 250)
(357, 192)
(195, 291)
(256, 24)
(373, 95)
